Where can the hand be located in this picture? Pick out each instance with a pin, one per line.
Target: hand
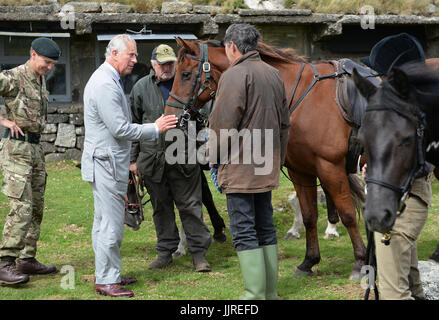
(363, 171)
(165, 123)
(133, 168)
(12, 126)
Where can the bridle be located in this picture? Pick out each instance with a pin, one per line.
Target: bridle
(197, 89)
(419, 119)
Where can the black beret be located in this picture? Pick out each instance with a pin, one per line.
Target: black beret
(394, 51)
(46, 47)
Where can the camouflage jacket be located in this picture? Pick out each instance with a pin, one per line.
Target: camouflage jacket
(26, 97)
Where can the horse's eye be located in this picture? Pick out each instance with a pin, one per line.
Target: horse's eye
(185, 75)
(406, 142)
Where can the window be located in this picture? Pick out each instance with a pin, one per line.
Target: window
(15, 49)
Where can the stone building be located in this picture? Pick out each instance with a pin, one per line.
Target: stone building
(83, 30)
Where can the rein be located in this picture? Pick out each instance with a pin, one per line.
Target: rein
(197, 89)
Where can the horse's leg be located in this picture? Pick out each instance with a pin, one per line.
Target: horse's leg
(294, 232)
(336, 182)
(215, 218)
(307, 193)
(435, 256)
(333, 219)
(182, 245)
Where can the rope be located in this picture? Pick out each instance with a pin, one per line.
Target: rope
(371, 261)
(214, 174)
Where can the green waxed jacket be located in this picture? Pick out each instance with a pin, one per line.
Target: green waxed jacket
(147, 105)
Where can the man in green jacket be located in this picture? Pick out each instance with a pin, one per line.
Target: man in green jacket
(167, 183)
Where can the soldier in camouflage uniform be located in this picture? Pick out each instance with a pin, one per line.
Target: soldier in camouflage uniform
(22, 161)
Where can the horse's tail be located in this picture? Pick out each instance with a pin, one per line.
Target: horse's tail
(357, 193)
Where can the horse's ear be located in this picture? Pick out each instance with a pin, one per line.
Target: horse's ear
(180, 41)
(184, 44)
(366, 88)
(398, 79)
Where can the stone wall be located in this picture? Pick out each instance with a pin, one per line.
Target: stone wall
(63, 136)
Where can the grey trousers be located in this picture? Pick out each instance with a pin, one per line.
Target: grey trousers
(108, 226)
(184, 189)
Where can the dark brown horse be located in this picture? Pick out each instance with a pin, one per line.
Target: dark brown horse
(318, 139)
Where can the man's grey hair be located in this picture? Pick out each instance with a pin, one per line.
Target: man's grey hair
(118, 43)
(244, 36)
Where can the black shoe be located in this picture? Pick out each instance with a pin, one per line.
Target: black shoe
(32, 266)
(10, 275)
(162, 261)
(200, 263)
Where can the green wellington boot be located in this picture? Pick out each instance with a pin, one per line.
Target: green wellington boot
(271, 271)
(253, 273)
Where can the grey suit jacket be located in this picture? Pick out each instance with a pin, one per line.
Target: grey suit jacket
(108, 127)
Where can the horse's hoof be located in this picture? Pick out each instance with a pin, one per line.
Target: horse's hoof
(331, 236)
(434, 261)
(291, 235)
(178, 254)
(355, 276)
(301, 273)
(219, 237)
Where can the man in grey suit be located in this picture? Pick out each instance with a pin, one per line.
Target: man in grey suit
(106, 158)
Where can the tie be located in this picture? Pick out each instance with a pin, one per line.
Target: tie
(121, 84)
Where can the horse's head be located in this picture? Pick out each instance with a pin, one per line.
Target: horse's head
(199, 67)
(392, 133)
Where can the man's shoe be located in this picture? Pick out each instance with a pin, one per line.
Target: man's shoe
(10, 275)
(201, 264)
(127, 281)
(112, 290)
(124, 281)
(162, 261)
(32, 266)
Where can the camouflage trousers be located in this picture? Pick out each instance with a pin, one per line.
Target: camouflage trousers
(24, 183)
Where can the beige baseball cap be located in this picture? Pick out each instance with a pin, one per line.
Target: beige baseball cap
(163, 54)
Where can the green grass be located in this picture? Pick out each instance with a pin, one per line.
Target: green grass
(66, 240)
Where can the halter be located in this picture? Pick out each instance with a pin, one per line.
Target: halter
(197, 89)
(418, 118)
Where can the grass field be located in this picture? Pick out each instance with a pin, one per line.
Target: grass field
(66, 242)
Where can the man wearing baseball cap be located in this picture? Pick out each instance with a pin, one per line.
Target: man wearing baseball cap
(23, 89)
(167, 184)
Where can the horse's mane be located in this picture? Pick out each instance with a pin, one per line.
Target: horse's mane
(422, 79)
(282, 55)
(420, 75)
(268, 52)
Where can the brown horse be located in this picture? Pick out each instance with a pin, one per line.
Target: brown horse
(318, 138)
